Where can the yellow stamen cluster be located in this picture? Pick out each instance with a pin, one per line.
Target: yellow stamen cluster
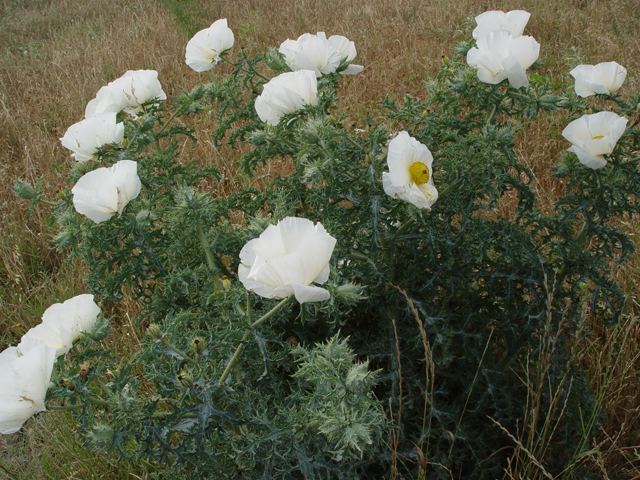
(597, 137)
(419, 173)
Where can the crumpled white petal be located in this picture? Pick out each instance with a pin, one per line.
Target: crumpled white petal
(205, 47)
(24, 380)
(286, 93)
(403, 152)
(513, 22)
(320, 54)
(310, 293)
(79, 314)
(499, 55)
(62, 324)
(600, 79)
(103, 192)
(595, 136)
(286, 259)
(85, 137)
(127, 93)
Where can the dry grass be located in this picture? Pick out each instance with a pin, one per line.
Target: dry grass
(56, 54)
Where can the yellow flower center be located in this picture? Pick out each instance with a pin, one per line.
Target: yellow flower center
(419, 173)
(597, 137)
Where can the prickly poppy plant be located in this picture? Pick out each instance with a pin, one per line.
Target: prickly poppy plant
(344, 318)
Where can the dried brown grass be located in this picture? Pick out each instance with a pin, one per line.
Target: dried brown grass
(55, 54)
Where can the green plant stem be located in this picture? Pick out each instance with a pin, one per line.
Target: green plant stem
(51, 408)
(168, 122)
(246, 62)
(211, 263)
(252, 68)
(245, 337)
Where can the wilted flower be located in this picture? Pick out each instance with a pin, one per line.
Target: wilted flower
(495, 20)
(103, 192)
(127, 93)
(499, 55)
(603, 78)
(594, 136)
(410, 177)
(24, 380)
(85, 137)
(206, 46)
(286, 93)
(321, 54)
(286, 259)
(62, 324)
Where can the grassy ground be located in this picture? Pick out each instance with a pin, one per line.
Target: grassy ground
(55, 55)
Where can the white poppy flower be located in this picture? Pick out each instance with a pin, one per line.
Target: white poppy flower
(594, 136)
(286, 259)
(499, 55)
(410, 176)
(286, 93)
(204, 49)
(603, 78)
(127, 93)
(85, 137)
(495, 20)
(103, 192)
(321, 54)
(62, 324)
(24, 380)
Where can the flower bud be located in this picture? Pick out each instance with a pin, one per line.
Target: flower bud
(197, 344)
(349, 293)
(154, 331)
(185, 378)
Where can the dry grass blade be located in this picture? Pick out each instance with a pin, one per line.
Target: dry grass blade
(520, 445)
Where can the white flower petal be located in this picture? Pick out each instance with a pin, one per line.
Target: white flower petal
(499, 55)
(352, 69)
(205, 47)
(310, 293)
(311, 242)
(127, 92)
(323, 276)
(513, 22)
(319, 54)
(594, 162)
(403, 152)
(56, 337)
(594, 136)
(95, 195)
(295, 252)
(24, 380)
(603, 78)
(125, 175)
(286, 93)
(85, 137)
(78, 313)
(103, 192)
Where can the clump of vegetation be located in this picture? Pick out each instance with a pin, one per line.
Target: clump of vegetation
(435, 339)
